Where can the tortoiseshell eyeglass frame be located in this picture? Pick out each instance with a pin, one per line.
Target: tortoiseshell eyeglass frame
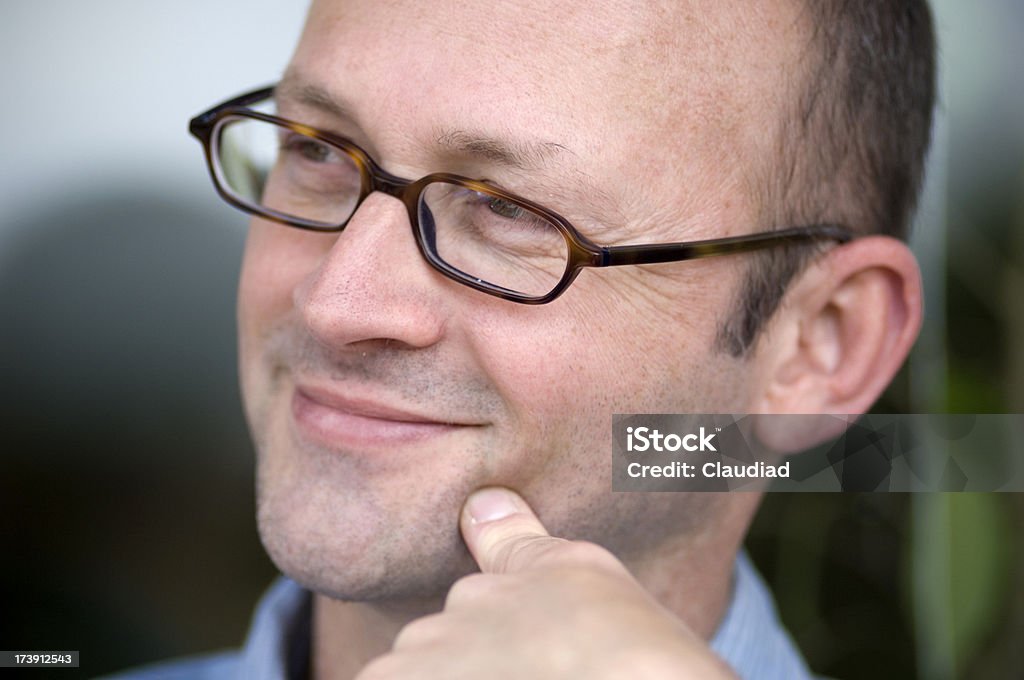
(582, 252)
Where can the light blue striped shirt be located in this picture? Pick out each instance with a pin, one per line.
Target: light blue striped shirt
(750, 638)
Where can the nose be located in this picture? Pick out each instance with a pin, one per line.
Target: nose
(373, 286)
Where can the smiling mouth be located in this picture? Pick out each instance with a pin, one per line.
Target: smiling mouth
(342, 422)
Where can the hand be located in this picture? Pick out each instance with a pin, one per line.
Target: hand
(542, 607)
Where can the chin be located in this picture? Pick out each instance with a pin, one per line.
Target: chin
(357, 539)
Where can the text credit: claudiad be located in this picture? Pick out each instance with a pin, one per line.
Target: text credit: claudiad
(703, 459)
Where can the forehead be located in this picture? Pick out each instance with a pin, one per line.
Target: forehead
(638, 94)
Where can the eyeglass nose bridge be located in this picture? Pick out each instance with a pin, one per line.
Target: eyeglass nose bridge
(385, 182)
(406, 191)
(375, 179)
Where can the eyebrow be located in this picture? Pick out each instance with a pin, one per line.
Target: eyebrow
(293, 87)
(520, 154)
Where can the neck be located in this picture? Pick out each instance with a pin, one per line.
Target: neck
(690, 576)
(347, 635)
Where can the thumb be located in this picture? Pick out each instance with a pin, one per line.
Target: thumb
(502, 531)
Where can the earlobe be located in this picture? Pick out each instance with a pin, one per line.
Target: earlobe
(844, 329)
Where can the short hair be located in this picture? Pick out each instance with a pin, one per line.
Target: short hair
(851, 147)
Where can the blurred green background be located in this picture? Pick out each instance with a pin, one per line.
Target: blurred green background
(126, 508)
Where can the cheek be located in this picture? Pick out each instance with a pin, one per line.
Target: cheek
(266, 282)
(563, 372)
(563, 369)
(277, 261)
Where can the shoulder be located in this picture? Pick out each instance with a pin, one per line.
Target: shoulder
(277, 645)
(215, 666)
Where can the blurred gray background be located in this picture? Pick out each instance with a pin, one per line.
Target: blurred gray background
(126, 509)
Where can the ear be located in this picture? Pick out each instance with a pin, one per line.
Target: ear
(842, 331)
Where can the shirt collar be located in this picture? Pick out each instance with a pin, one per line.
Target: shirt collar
(750, 637)
(278, 644)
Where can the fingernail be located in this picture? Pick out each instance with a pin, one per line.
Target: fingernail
(488, 505)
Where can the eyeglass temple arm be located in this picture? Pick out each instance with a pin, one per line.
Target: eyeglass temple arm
(613, 256)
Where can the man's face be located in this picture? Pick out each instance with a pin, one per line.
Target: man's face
(380, 394)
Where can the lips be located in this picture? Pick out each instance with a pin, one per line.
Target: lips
(343, 421)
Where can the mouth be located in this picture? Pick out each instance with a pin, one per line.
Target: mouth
(342, 421)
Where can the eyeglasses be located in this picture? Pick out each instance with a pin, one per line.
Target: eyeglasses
(471, 231)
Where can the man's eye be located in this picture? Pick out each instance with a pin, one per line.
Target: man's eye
(315, 152)
(309, 149)
(504, 208)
